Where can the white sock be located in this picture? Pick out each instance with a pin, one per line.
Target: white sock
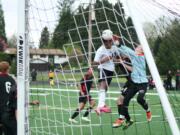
(121, 117)
(102, 97)
(148, 110)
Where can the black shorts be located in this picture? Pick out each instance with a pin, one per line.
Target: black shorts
(9, 123)
(85, 98)
(105, 75)
(125, 87)
(134, 88)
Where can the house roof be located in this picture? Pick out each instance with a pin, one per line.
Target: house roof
(38, 51)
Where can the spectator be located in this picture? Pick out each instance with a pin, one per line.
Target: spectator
(178, 79)
(151, 83)
(33, 75)
(51, 78)
(169, 80)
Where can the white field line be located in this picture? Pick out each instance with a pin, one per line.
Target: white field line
(92, 91)
(39, 94)
(86, 124)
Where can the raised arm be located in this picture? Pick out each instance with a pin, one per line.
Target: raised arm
(127, 51)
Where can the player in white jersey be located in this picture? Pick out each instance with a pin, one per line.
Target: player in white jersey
(104, 59)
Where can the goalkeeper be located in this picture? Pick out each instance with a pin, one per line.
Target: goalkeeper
(84, 96)
(138, 84)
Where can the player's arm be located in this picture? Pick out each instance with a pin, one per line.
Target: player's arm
(127, 51)
(100, 58)
(101, 61)
(128, 67)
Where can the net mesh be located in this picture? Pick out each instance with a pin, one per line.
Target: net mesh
(58, 97)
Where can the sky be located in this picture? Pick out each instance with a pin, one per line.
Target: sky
(10, 14)
(145, 10)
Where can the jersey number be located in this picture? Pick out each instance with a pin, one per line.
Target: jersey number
(8, 87)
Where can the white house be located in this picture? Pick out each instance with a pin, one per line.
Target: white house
(40, 59)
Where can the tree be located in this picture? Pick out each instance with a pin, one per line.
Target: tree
(169, 53)
(150, 32)
(60, 35)
(12, 41)
(44, 40)
(2, 24)
(132, 32)
(76, 56)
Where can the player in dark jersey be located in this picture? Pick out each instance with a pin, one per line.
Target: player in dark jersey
(84, 96)
(8, 100)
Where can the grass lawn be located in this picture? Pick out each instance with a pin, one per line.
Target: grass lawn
(57, 105)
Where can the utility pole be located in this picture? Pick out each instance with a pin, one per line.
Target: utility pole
(90, 32)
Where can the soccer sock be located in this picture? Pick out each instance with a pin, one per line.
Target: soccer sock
(119, 109)
(87, 111)
(102, 97)
(75, 114)
(145, 106)
(148, 110)
(142, 101)
(125, 113)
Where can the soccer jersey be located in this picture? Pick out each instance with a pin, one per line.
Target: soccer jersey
(103, 52)
(6, 84)
(138, 74)
(86, 84)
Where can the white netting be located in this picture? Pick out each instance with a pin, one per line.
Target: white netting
(59, 101)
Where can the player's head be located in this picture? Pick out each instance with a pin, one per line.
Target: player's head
(107, 37)
(4, 67)
(139, 50)
(116, 40)
(89, 72)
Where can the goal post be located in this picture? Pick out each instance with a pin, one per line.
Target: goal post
(154, 71)
(22, 69)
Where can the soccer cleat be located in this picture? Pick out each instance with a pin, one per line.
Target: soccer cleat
(105, 109)
(148, 116)
(118, 123)
(86, 119)
(128, 124)
(72, 120)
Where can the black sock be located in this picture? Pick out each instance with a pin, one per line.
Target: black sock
(87, 111)
(145, 106)
(126, 113)
(119, 109)
(75, 114)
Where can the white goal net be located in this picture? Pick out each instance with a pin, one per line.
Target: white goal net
(63, 38)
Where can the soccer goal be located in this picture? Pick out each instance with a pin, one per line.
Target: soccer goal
(57, 42)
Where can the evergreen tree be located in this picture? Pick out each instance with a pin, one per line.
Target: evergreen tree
(2, 24)
(44, 40)
(169, 53)
(156, 46)
(132, 32)
(60, 35)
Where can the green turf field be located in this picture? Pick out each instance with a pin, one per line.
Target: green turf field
(56, 106)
